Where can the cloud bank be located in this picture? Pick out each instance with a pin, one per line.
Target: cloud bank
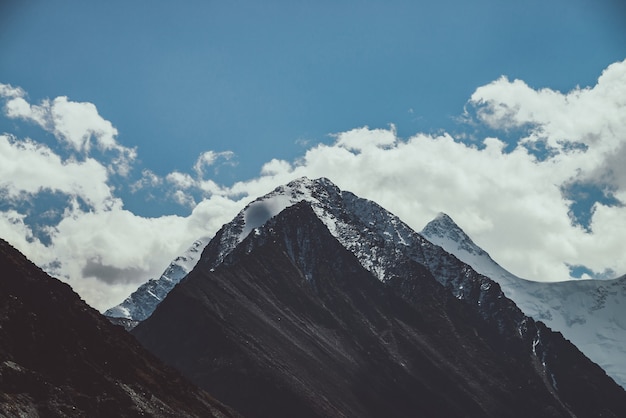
(542, 191)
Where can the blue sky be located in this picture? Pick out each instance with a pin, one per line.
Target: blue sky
(251, 93)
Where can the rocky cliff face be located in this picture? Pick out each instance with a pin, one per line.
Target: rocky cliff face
(313, 302)
(61, 358)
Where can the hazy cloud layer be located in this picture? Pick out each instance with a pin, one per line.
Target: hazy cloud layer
(511, 196)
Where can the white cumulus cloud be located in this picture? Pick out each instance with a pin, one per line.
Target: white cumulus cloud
(27, 167)
(78, 125)
(591, 117)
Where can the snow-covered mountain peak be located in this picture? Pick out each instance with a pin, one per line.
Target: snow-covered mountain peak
(360, 225)
(443, 230)
(320, 193)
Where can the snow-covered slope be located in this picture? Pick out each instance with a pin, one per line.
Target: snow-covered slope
(142, 302)
(590, 313)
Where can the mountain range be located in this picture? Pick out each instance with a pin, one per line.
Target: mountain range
(315, 302)
(590, 313)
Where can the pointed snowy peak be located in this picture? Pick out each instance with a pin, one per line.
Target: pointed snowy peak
(321, 193)
(443, 231)
(589, 313)
(359, 224)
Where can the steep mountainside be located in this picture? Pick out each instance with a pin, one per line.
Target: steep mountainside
(61, 358)
(590, 313)
(313, 302)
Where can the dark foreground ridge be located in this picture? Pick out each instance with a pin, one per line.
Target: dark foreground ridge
(291, 324)
(61, 358)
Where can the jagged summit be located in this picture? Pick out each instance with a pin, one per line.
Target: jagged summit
(352, 220)
(442, 230)
(322, 192)
(359, 224)
(259, 211)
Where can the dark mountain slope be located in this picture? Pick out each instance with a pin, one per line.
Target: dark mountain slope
(291, 324)
(61, 358)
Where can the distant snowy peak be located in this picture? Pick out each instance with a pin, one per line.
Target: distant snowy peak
(142, 302)
(444, 232)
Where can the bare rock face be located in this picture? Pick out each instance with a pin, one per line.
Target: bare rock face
(61, 358)
(316, 311)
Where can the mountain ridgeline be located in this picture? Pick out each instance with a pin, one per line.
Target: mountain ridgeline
(314, 302)
(142, 302)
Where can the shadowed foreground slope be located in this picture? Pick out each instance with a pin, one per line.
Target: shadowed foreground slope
(61, 358)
